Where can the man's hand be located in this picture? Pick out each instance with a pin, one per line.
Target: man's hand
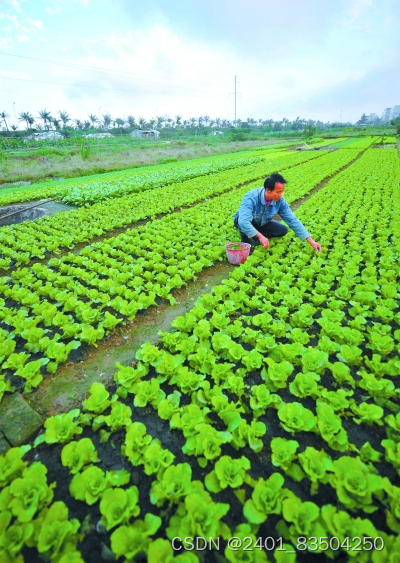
(316, 246)
(263, 240)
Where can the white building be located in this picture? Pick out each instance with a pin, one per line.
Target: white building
(145, 134)
(372, 118)
(395, 112)
(385, 117)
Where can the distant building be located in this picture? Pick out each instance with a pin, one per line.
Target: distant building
(145, 134)
(385, 117)
(372, 118)
(395, 112)
(214, 133)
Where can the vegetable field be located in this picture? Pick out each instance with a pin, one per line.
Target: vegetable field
(264, 425)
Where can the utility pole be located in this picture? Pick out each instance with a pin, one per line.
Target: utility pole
(235, 93)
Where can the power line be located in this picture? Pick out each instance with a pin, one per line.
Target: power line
(101, 70)
(113, 89)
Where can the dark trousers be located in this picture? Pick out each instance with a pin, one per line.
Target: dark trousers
(272, 229)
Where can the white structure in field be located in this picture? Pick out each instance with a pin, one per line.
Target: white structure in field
(145, 134)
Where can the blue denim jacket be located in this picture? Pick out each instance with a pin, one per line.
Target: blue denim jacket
(254, 208)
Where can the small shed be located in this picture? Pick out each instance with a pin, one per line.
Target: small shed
(215, 133)
(145, 134)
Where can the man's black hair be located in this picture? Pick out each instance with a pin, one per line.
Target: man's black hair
(270, 182)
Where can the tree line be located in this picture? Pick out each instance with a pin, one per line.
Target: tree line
(44, 121)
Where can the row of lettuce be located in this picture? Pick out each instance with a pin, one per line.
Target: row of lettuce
(283, 354)
(91, 189)
(50, 309)
(23, 242)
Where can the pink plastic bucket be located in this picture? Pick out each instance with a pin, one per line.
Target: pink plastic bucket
(237, 256)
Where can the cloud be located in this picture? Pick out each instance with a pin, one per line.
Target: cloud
(14, 4)
(4, 43)
(23, 38)
(53, 10)
(58, 7)
(37, 24)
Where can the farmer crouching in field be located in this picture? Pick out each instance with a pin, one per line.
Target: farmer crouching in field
(254, 218)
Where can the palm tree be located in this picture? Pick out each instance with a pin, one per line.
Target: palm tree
(93, 120)
(46, 117)
(206, 120)
(178, 120)
(119, 122)
(64, 116)
(4, 115)
(217, 122)
(56, 123)
(27, 117)
(13, 127)
(142, 123)
(107, 120)
(160, 121)
(86, 124)
(131, 121)
(78, 123)
(192, 121)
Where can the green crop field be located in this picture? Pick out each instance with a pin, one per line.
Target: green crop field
(267, 411)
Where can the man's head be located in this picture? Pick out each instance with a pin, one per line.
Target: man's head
(274, 186)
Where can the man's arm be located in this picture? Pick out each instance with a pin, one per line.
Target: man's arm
(294, 223)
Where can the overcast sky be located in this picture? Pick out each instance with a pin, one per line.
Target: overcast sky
(318, 59)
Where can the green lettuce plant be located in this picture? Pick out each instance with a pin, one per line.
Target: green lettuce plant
(304, 519)
(199, 515)
(134, 539)
(283, 452)
(330, 427)
(206, 442)
(354, 484)
(119, 417)
(98, 400)
(392, 503)
(118, 506)
(156, 458)
(336, 399)
(28, 494)
(172, 485)
(277, 374)
(305, 385)
(77, 454)
(136, 441)
(261, 398)
(295, 418)
(392, 453)
(12, 537)
(368, 413)
(341, 524)
(12, 464)
(127, 377)
(315, 464)
(55, 534)
(169, 406)
(249, 434)
(227, 472)
(148, 392)
(60, 428)
(89, 485)
(342, 375)
(267, 498)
